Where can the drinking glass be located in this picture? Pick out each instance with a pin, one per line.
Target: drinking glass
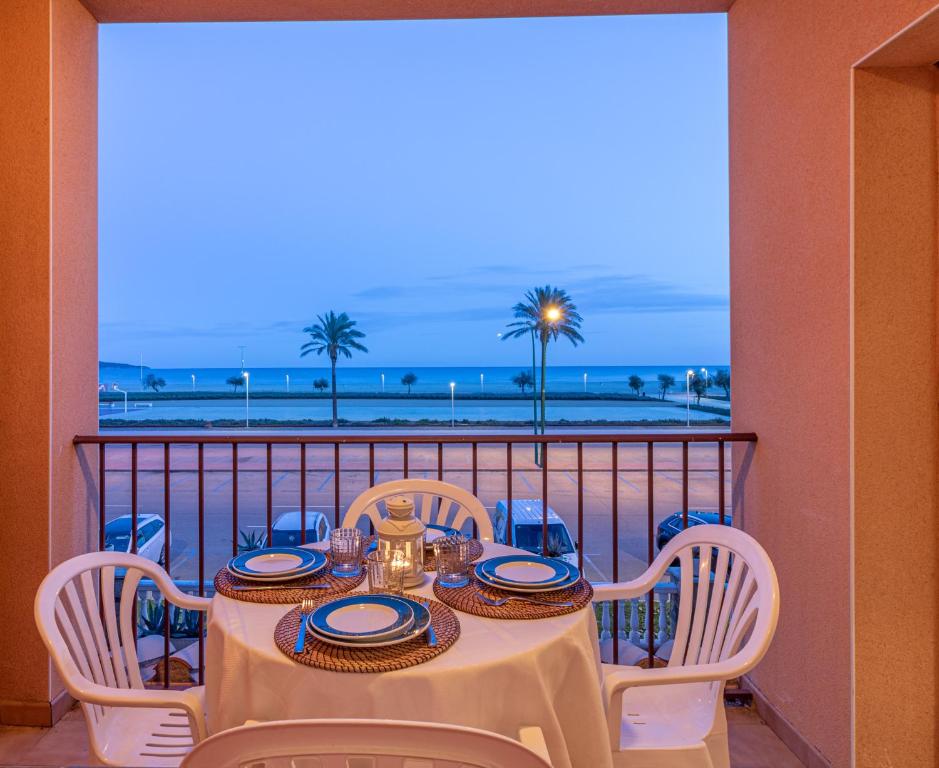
(385, 572)
(452, 553)
(345, 550)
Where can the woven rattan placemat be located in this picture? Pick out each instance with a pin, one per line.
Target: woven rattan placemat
(430, 559)
(288, 592)
(465, 599)
(335, 658)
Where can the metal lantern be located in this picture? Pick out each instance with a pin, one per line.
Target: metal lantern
(401, 534)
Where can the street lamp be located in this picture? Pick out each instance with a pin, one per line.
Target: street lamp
(193, 381)
(552, 314)
(482, 383)
(706, 377)
(452, 407)
(585, 381)
(122, 391)
(247, 377)
(383, 383)
(688, 377)
(287, 376)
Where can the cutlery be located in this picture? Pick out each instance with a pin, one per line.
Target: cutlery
(306, 608)
(240, 588)
(503, 600)
(429, 633)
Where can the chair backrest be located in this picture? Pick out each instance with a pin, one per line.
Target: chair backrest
(351, 743)
(728, 597)
(434, 502)
(88, 637)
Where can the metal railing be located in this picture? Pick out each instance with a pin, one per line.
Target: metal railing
(594, 463)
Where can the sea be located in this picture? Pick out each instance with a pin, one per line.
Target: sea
(597, 379)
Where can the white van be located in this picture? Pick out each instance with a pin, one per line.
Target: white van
(527, 529)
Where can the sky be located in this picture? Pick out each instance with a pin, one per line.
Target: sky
(419, 175)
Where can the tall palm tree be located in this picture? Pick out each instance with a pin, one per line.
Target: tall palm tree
(547, 313)
(335, 335)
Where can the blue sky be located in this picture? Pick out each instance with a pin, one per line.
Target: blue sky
(420, 175)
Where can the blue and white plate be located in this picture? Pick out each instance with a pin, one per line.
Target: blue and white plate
(277, 564)
(420, 622)
(363, 617)
(572, 576)
(435, 532)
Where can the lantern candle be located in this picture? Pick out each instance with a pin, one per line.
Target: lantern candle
(402, 535)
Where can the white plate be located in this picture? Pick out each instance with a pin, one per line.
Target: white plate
(421, 622)
(277, 562)
(523, 572)
(359, 617)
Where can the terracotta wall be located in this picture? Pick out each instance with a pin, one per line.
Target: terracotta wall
(895, 431)
(48, 317)
(791, 342)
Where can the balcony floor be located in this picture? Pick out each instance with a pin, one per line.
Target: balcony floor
(752, 744)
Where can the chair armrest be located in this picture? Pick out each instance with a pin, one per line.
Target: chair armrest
(532, 737)
(190, 602)
(625, 590)
(186, 700)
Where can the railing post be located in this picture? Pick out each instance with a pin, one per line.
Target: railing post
(508, 493)
(270, 493)
(167, 555)
(234, 499)
(201, 562)
(302, 492)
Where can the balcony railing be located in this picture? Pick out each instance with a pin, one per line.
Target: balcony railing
(610, 490)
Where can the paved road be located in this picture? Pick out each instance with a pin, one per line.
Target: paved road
(632, 490)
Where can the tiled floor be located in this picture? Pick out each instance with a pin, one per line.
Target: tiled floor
(752, 744)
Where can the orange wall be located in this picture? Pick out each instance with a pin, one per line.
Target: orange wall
(791, 344)
(48, 316)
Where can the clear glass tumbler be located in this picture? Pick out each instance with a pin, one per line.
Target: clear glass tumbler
(385, 572)
(345, 551)
(452, 553)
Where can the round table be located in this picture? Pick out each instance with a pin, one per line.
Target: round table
(499, 676)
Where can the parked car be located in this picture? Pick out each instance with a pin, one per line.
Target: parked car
(151, 536)
(527, 520)
(672, 525)
(286, 529)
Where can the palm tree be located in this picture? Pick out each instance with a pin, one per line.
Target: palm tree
(409, 380)
(320, 384)
(547, 313)
(235, 382)
(523, 379)
(335, 335)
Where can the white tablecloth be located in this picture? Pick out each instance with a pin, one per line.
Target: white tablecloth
(498, 676)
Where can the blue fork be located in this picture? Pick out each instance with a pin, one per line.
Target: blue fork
(306, 608)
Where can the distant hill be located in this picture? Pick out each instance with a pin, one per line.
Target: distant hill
(103, 364)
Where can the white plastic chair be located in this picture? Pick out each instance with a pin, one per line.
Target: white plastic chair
(366, 743)
(92, 646)
(434, 502)
(729, 604)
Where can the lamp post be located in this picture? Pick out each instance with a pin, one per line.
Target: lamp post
(688, 377)
(242, 348)
(123, 392)
(193, 381)
(287, 377)
(247, 377)
(383, 383)
(706, 377)
(585, 381)
(452, 406)
(482, 383)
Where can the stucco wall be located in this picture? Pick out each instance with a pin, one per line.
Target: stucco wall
(48, 317)
(791, 300)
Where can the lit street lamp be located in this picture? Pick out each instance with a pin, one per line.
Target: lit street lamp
(452, 407)
(383, 383)
(482, 383)
(193, 381)
(706, 377)
(287, 376)
(122, 391)
(585, 381)
(688, 377)
(247, 387)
